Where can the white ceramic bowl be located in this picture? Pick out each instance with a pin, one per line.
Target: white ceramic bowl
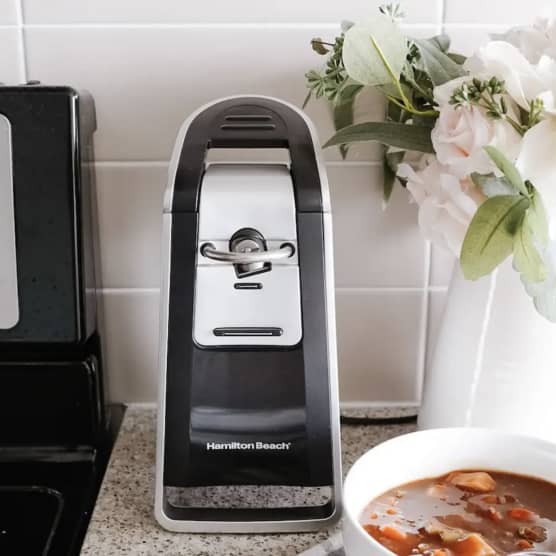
(432, 453)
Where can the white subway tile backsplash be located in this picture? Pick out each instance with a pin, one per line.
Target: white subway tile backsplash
(131, 344)
(467, 40)
(9, 12)
(374, 247)
(378, 345)
(146, 81)
(214, 11)
(378, 336)
(129, 201)
(11, 61)
(515, 12)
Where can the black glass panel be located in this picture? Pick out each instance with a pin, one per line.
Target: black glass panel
(28, 519)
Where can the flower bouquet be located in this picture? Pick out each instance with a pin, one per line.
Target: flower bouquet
(484, 128)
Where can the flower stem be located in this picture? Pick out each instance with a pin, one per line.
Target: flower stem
(405, 103)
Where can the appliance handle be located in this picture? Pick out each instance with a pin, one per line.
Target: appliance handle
(284, 252)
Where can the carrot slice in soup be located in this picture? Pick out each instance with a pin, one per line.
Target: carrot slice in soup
(523, 544)
(522, 514)
(473, 545)
(393, 533)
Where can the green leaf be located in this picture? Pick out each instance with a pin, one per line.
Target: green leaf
(343, 110)
(343, 117)
(536, 216)
(440, 67)
(390, 167)
(318, 46)
(511, 173)
(491, 185)
(402, 136)
(526, 257)
(459, 59)
(490, 236)
(442, 42)
(388, 184)
(363, 45)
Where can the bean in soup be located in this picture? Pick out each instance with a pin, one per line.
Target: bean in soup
(465, 513)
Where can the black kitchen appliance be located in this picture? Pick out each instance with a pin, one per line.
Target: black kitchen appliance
(56, 431)
(248, 436)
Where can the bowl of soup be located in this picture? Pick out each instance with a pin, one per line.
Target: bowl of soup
(452, 492)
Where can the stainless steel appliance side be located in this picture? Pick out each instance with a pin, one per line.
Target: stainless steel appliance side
(9, 300)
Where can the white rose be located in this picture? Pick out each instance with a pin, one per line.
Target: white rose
(533, 41)
(460, 134)
(536, 163)
(445, 209)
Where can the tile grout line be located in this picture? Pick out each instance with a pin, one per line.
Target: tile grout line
(487, 26)
(442, 15)
(204, 25)
(124, 290)
(21, 34)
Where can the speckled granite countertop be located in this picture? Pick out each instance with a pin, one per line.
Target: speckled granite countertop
(123, 521)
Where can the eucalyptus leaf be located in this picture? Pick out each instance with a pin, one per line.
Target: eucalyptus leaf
(394, 113)
(418, 81)
(492, 185)
(440, 67)
(343, 110)
(459, 59)
(526, 257)
(408, 137)
(388, 183)
(364, 45)
(536, 217)
(390, 168)
(349, 92)
(442, 42)
(490, 236)
(507, 168)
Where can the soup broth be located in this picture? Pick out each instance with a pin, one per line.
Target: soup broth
(465, 513)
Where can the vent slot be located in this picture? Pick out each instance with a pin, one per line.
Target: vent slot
(248, 127)
(248, 118)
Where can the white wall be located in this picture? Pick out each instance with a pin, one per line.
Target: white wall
(150, 63)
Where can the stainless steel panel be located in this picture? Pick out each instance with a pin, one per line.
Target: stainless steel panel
(9, 300)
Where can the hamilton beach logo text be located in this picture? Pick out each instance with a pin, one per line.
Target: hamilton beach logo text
(258, 446)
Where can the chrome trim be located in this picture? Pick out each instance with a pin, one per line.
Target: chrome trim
(284, 252)
(76, 176)
(333, 359)
(164, 304)
(9, 295)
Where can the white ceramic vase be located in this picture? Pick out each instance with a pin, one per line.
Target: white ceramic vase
(495, 360)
